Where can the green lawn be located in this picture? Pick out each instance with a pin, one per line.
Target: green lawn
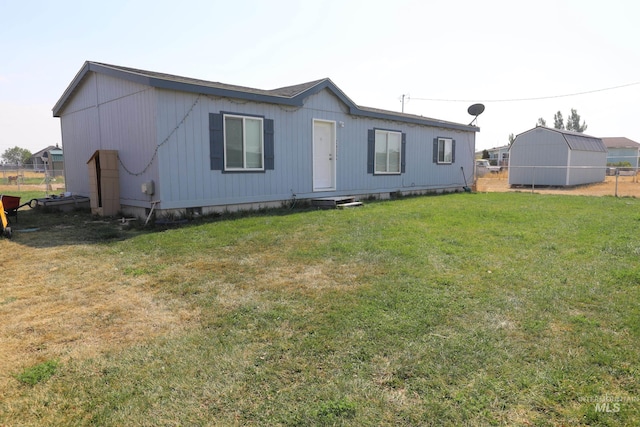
(465, 309)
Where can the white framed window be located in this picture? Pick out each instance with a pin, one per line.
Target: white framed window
(388, 146)
(445, 150)
(243, 143)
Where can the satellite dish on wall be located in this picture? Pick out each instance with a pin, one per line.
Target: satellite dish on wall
(475, 110)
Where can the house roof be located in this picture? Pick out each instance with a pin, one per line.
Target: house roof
(575, 140)
(495, 150)
(53, 149)
(289, 95)
(620, 142)
(502, 147)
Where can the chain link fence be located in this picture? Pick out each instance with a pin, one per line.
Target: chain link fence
(29, 175)
(578, 180)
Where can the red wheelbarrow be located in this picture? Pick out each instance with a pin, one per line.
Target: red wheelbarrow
(11, 205)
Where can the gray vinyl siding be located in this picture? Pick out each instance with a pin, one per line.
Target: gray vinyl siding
(80, 137)
(183, 148)
(538, 157)
(188, 181)
(586, 167)
(84, 97)
(110, 114)
(617, 155)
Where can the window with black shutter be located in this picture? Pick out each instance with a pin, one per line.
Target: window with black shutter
(386, 152)
(241, 143)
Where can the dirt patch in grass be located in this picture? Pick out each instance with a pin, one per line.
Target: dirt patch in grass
(627, 186)
(58, 303)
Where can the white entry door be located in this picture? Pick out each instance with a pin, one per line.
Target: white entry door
(324, 155)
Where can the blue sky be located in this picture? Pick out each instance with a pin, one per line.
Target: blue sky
(375, 51)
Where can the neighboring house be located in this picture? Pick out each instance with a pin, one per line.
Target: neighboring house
(499, 156)
(620, 149)
(50, 158)
(545, 156)
(182, 143)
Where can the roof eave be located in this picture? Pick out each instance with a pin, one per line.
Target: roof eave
(70, 89)
(414, 120)
(356, 110)
(221, 92)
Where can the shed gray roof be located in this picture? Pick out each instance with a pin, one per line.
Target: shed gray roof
(577, 141)
(585, 143)
(289, 95)
(620, 142)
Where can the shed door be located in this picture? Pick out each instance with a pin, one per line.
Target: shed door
(324, 155)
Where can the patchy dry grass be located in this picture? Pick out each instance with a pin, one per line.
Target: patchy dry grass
(69, 300)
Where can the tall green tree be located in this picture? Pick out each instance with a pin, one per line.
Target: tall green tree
(511, 138)
(558, 121)
(573, 122)
(16, 155)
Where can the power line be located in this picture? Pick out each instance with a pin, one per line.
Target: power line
(525, 99)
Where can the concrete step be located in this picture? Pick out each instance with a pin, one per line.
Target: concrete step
(335, 202)
(349, 205)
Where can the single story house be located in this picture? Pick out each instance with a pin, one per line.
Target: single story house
(621, 150)
(157, 141)
(544, 156)
(50, 159)
(498, 156)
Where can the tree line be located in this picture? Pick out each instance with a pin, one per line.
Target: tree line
(572, 124)
(16, 156)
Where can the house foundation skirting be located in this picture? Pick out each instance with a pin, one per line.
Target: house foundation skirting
(159, 212)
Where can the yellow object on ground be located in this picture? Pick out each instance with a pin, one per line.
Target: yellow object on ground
(3, 216)
(6, 231)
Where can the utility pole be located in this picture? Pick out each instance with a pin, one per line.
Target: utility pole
(402, 100)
